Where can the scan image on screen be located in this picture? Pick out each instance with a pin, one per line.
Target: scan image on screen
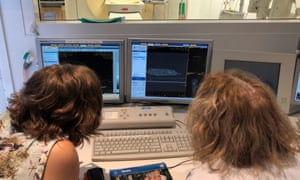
(266, 71)
(169, 71)
(100, 62)
(104, 57)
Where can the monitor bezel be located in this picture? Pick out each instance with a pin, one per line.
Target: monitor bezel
(287, 65)
(122, 44)
(161, 100)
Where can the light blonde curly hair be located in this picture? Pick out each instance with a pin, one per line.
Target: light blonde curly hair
(235, 122)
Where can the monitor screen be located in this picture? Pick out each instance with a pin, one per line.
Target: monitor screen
(296, 85)
(267, 72)
(296, 89)
(275, 69)
(105, 57)
(166, 70)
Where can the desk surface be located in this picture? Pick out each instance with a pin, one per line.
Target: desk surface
(178, 172)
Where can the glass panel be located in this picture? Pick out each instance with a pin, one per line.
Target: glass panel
(50, 10)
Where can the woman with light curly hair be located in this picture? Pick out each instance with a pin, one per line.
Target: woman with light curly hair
(239, 131)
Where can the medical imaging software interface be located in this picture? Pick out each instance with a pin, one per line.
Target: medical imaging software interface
(167, 69)
(103, 58)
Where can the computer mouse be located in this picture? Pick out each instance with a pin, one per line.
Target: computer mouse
(95, 173)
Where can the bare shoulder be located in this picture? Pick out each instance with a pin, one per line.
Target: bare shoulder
(63, 162)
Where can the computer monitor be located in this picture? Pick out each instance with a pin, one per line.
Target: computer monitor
(105, 57)
(275, 69)
(295, 102)
(166, 70)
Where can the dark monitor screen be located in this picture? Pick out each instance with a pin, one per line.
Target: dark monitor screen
(296, 83)
(296, 97)
(104, 57)
(166, 70)
(275, 69)
(266, 71)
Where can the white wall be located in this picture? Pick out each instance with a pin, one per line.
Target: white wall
(203, 9)
(15, 41)
(6, 83)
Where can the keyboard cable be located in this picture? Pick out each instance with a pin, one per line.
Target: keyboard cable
(179, 164)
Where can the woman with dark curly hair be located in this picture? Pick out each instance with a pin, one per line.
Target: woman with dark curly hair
(239, 131)
(57, 109)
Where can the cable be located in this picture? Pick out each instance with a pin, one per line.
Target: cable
(180, 122)
(179, 164)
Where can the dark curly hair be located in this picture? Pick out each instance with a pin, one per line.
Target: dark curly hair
(58, 101)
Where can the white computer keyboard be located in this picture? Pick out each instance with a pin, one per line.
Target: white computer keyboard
(134, 144)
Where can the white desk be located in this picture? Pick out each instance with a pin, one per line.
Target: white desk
(178, 173)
